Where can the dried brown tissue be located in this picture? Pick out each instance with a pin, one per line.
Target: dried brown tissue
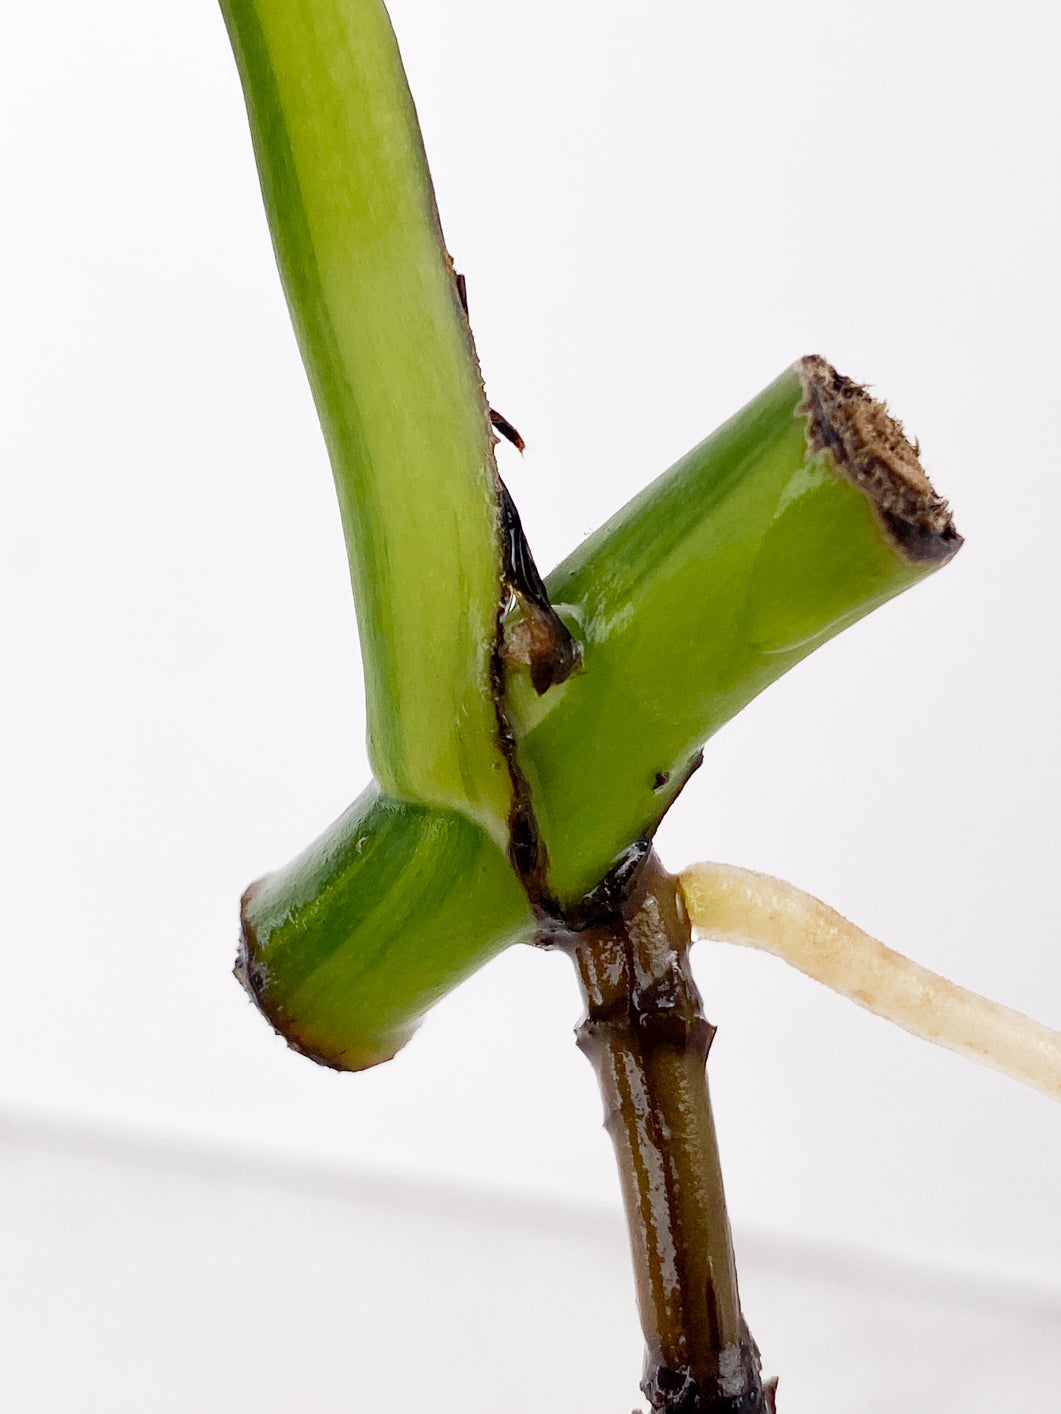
(870, 448)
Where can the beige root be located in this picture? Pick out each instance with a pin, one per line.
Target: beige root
(739, 906)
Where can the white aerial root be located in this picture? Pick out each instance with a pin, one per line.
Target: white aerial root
(739, 906)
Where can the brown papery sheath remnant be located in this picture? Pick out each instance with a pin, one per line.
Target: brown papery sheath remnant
(870, 447)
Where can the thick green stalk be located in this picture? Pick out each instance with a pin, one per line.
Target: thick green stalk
(758, 546)
(762, 543)
(390, 359)
(391, 908)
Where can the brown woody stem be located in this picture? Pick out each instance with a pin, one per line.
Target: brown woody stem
(646, 1035)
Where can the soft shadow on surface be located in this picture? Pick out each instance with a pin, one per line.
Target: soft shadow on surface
(142, 1275)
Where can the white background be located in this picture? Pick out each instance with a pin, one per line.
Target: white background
(656, 210)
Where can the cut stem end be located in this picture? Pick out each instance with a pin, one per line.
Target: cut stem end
(871, 449)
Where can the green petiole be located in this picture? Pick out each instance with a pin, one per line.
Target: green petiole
(390, 359)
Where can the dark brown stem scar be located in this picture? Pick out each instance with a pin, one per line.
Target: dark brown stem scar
(545, 643)
(526, 849)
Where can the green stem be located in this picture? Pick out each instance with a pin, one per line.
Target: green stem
(757, 547)
(390, 908)
(647, 1038)
(390, 359)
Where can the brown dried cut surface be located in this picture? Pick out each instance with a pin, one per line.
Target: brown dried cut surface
(870, 447)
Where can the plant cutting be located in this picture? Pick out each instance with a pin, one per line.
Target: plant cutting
(528, 735)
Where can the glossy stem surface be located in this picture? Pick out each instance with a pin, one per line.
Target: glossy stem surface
(647, 1038)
